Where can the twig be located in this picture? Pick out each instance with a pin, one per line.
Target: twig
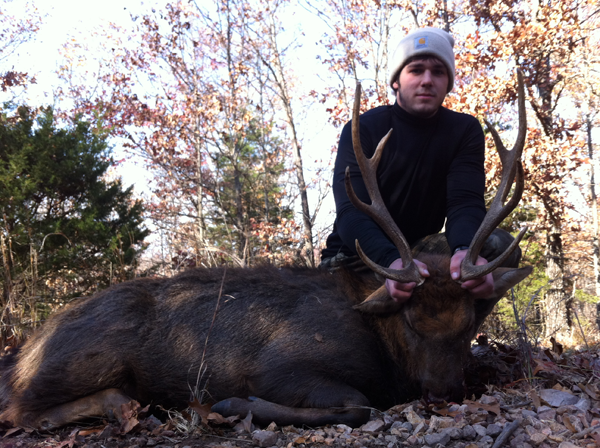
(517, 405)
(585, 432)
(202, 367)
(581, 329)
(226, 438)
(506, 433)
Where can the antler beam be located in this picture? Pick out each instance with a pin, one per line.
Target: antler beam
(377, 209)
(512, 171)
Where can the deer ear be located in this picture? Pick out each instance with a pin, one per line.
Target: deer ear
(379, 302)
(506, 278)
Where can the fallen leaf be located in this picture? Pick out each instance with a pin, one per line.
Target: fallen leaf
(129, 425)
(444, 411)
(535, 398)
(203, 410)
(569, 425)
(474, 406)
(589, 389)
(70, 441)
(545, 366)
(12, 431)
(129, 419)
(245, 425)
(218, 419)
(89, 431)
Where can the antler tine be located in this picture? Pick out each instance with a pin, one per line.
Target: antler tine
(512, 171)
(377, 209)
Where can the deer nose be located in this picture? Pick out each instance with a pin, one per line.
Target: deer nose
(432, 398)
(439, 395)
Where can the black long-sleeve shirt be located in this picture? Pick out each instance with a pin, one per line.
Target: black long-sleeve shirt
(431, 169)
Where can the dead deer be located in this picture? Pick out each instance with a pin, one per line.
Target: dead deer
(293, 346)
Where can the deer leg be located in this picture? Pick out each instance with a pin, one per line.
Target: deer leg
(104, 403)
(322, 406)
(265, 412)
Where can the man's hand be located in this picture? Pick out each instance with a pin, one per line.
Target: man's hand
(481, 287)
(401, 292)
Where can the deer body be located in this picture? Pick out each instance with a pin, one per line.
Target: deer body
(289, 337)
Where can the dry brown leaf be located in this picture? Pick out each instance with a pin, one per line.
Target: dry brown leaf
(569, 425)
(545, 366)
(203, 410)
(129, 425)
(535, 398)
(129, 419)
(12, 431)
(218, 419)
(444, 411)
(246, 423)
(130, 409)
(70, 442)
(474, 406)
(142, 412)
(89, 431)
(589, 390)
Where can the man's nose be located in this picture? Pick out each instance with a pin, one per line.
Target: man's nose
(427, 77)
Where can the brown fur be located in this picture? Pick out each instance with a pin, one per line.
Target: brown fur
(289, 337)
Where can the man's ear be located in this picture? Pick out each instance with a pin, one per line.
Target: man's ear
(395, 85)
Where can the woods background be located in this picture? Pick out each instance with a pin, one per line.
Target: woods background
(233, 108)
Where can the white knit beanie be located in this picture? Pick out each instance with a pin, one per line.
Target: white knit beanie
(425, 41)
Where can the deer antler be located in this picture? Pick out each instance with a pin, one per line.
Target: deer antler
(512, 170)
(377, 210)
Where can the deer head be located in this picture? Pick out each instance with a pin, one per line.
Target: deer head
(429, 335)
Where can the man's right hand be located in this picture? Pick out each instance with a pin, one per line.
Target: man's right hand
(401, 292)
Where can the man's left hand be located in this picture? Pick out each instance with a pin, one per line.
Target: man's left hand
(481, 287)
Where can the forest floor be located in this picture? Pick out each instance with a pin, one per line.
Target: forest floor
(555, 404)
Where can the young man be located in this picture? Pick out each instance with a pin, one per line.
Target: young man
(431, 172)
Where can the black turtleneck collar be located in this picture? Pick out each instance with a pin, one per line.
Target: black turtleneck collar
(413, 120)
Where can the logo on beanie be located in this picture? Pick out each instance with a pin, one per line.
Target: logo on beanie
(421, 42)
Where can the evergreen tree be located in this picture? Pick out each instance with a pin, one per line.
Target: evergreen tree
(64, 228)
(248, 195)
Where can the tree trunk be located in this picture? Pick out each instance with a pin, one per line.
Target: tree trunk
(556, 312)
(242, 250)
(6, 316)
(594, 200)
(275, 66)
(308, 233)
(199, 226)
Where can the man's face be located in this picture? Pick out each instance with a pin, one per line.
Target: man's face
(422, 87)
